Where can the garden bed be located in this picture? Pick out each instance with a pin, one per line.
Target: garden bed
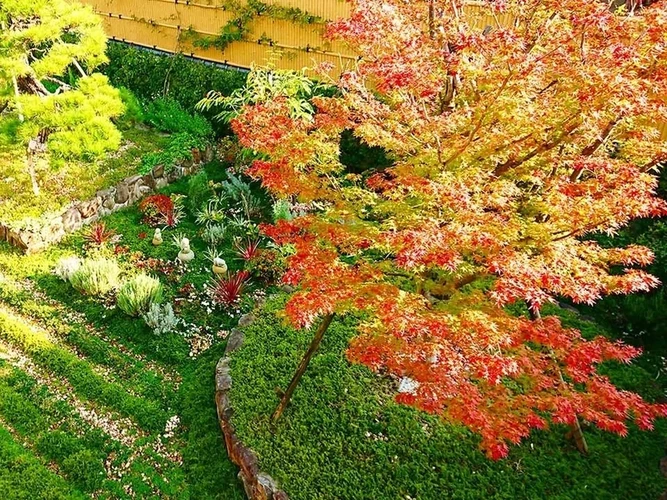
(343, 436)
(111, 408)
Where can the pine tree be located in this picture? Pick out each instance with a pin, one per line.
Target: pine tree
(51, 101)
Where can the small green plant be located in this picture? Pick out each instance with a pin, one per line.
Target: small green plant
(138, 294)
(161, 318)
(212, 214)
(281, 210)
(167, 115)
(134, 112)
(96, 277)
(199, 190)
(214, 234)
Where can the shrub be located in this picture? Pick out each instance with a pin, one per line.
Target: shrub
(247, 249)
(66, 267)
(96, 277)
(161, 210)
(138, 294)
(199, 191)
(268, 264)
(179, 147)
(161, 319)
(167, 115)
(227, 291)
(134, 112)
(85, 470)
(214, 234)
(178, 77)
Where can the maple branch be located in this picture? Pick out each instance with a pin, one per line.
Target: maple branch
(542, 148)
(575, 427)
(473, 132)
(594, 146)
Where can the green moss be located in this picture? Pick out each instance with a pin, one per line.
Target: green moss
(23, 476)
(343, 436)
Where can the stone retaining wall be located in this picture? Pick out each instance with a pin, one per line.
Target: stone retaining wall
(127, 192)
(257, 485)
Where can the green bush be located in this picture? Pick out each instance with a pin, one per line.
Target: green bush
(136, 296)
(134, 112)
(179, 147)
(150, 75)
(199, 191)
(167, 115)
(96, 276)
(85, 470)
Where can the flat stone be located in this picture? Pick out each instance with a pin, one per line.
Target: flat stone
(158, 171)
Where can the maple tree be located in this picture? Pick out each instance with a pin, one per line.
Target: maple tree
(510, 144)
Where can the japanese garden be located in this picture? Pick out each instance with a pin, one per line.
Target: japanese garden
(355, 249)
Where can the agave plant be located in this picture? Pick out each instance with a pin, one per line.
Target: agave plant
(98, 234)
(247, 249)
(227, 290)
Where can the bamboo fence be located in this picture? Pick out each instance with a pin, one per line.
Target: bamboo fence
(173, 26)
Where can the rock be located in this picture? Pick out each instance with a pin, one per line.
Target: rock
(122, 193)
(247, 320)
(108, 198)
(71, 220)
(161, 182)
(209, 154)
(90, 208)
(223, 380)
(287, 288)
(158, 171)
(149, 181)
(234, 341)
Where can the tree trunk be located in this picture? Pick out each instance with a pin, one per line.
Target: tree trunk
(314, 345)
(575, 428)
(30, 164)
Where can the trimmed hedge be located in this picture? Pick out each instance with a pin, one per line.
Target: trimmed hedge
(151, 75)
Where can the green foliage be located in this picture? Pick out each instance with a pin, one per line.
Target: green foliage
(167, 115)
(161, 318)
(263, 85)
(134, 111)
(199, 190)
(182, 79)
(96, 276)
(282, 211)
(138, 294)
(23, 476)
(178, 148)
(344, 437)
(85, 470)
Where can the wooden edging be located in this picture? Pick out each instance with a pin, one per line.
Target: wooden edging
(257, 484)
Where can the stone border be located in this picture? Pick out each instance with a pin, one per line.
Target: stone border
(257, 484)
(126, 193)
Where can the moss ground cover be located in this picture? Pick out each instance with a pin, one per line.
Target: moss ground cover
(343, 436)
